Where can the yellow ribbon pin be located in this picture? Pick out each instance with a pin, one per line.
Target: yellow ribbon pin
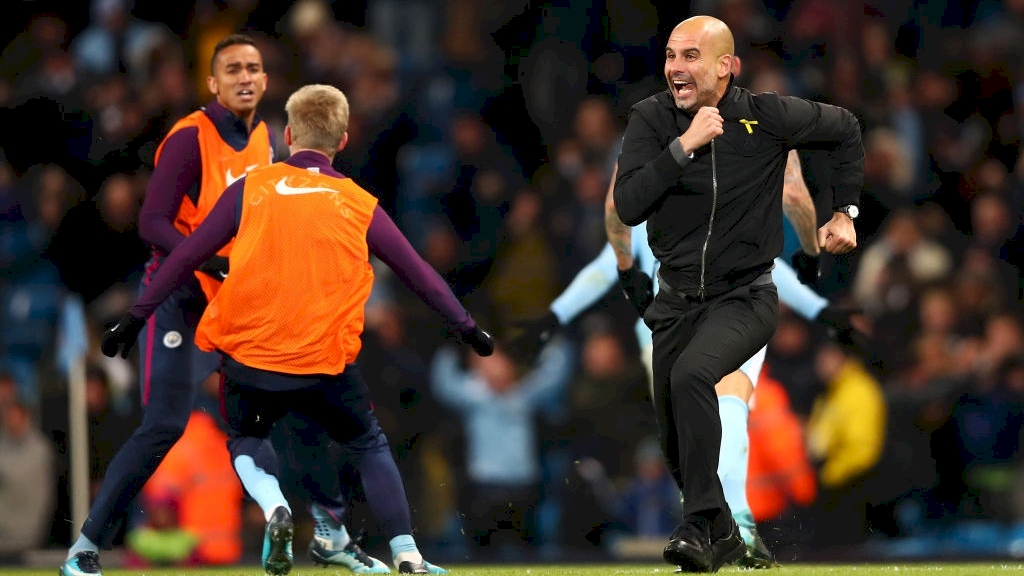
(747, 124)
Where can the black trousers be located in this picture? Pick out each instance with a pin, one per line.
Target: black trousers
(696, 344)
(254, 400)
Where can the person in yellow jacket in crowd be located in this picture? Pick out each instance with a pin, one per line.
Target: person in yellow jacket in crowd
(846, 435)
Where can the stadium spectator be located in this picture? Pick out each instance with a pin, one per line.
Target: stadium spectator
(846, 433)
(26, 458)
(161, 540)
(498, 407)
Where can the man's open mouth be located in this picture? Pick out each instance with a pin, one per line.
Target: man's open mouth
(683, 88)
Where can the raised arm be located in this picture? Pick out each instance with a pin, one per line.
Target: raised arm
(551, 373)
(587, 287)
(387, 243)
(449, 381)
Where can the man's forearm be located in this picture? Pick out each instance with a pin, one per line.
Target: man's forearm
(799, 206)
(619, 235)
(647, 170)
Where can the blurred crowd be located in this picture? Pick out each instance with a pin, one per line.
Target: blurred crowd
(489, 131)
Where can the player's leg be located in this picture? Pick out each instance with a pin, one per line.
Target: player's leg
(168, 395)
(734, 392)
(343, 409)
(250, 413)
(683, 432)
(728, 332)
(312, 463)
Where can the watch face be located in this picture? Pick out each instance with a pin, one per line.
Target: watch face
(853, 211)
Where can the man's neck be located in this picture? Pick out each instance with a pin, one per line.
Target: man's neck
(722, 91)
(293, 150)
(246, 117)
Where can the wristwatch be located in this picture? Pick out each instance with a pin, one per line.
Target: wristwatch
(850, 210)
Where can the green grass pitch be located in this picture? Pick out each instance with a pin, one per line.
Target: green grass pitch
(933, 569)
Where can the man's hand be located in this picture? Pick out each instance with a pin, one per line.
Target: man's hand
(535, 334)
(806, 266)
(638, 288)
(481, 341)
(216, 268)
(120, 336)
(706, 126)
(838, 236)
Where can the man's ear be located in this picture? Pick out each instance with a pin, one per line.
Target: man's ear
(737, 66)
(727, 66)
(287, 135)
(343, 143)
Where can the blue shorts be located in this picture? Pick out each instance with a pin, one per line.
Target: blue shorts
(167, 352)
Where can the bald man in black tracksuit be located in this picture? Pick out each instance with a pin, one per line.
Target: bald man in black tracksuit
(703, 164)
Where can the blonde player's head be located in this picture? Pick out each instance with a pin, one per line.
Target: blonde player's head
(317, 119)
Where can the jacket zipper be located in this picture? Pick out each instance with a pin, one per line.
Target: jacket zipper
(711, 221)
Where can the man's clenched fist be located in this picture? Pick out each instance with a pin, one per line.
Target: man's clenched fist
(706, 126)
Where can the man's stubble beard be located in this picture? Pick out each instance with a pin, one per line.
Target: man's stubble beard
(704, 97)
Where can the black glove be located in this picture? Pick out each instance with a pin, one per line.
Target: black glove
(535, 334)
(216, 268)
(479, 339)
(806, 267)
(836, 319)
(121, 335)
(638, 288)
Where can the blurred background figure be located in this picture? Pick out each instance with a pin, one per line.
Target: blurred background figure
(649, 501)
(26, 462)
(781, 482)
(160, 540)
(499, 407)
(845, 435)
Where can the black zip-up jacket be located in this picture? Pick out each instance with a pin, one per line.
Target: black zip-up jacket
(714, 220)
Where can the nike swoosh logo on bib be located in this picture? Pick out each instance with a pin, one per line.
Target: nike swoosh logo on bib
(231, 178)
(284, 189)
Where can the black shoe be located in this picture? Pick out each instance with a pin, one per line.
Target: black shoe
(85, 563)
(689, 547)
(277, 543)
(728, 548)
(758, 556)
(413, 568)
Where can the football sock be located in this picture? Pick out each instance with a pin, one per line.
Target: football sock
(732, 460)
(263, 487)
(83, 544)
(403, 549)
